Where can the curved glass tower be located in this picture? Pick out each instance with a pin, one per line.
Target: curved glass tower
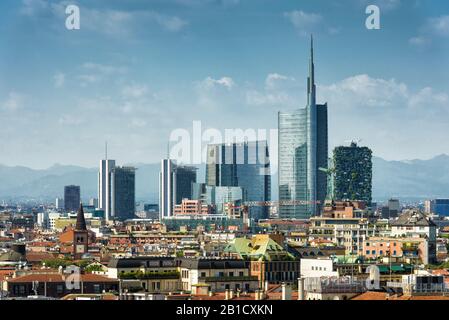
(303, 145)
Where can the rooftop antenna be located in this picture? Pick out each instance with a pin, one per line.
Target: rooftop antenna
(106, 150)
(168, 149)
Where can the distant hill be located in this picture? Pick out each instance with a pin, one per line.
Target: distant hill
(411, 179)
(403, 179)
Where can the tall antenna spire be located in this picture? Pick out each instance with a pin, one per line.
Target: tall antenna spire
(168, 149)
(106, 150)
(311, 79)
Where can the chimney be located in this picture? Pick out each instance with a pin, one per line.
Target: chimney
(231, 294)
(286, 292)
(266, 286)
(237, 294)
(301, 294)
(227, 294)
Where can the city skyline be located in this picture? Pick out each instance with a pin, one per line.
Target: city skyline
(129, 95)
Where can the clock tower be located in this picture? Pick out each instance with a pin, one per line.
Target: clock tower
(80, 235)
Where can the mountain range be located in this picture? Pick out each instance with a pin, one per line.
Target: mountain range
(410, 179)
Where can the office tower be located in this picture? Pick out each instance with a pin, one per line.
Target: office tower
(244, 165)
(441, 207)
(185, 177)
(167, 190)
(93, 202)
(353, 173)
(71, 198)
(429, 206)
(59, 203)
(303, 155)
(104, 184)
(123, 200)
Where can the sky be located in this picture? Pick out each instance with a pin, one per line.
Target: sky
(138, 70)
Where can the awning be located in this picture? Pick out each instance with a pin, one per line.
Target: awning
(383, 269)
(397, 269)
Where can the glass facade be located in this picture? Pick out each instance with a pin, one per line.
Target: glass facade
(244, 165)
(123, 193)
(185, 178)
(303, 154)
(71, 198)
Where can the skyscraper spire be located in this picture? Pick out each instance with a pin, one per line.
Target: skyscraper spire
(106, 150)
(311, 89)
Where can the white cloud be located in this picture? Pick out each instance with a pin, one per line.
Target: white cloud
(428, 97)
(14, 101)
(439, 25)
(304, 22)
(275, 80)
(210, 83)
(419, 41)
(59, 80)
(362, 90)
(170, 23)
(33, 7)
(138, 123)
(134, 91)
(278, 99)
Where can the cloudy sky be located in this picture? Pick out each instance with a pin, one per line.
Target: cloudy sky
(137, 70)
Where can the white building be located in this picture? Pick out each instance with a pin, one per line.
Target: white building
(105, 186)
(167, 190)
(59, 203)
(317, 267)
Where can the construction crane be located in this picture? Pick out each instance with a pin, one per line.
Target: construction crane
(250, 204)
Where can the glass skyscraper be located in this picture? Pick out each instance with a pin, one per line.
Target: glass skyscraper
(303, 151)
(71, 198)
(185, 178)
(244, 165)
(123, 193)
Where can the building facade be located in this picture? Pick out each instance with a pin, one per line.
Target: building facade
(72, 198)
(303, 148)
(185, 178)
(123, 193)
(244, 165)
(105, 186)
(353, 173)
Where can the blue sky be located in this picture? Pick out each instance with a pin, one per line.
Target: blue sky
(136, 70)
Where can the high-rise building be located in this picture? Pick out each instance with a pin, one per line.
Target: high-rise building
(123, 202)
(167, 188)
(72, 198)
(303, 155)
(244, 165)
(185, 178)
(59, 203)
(353, 173)
(93, 202)
(105, 185)
(441, 207)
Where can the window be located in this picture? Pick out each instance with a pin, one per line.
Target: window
(96, 288)
(373, 251)
(381, 252)
(203, 274)
(231, 274)
(367, 251)
(241, 274)
(60, 288)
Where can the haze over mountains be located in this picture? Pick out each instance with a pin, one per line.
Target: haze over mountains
(415, 179)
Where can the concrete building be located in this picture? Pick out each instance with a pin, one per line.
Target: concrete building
(192, 207)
